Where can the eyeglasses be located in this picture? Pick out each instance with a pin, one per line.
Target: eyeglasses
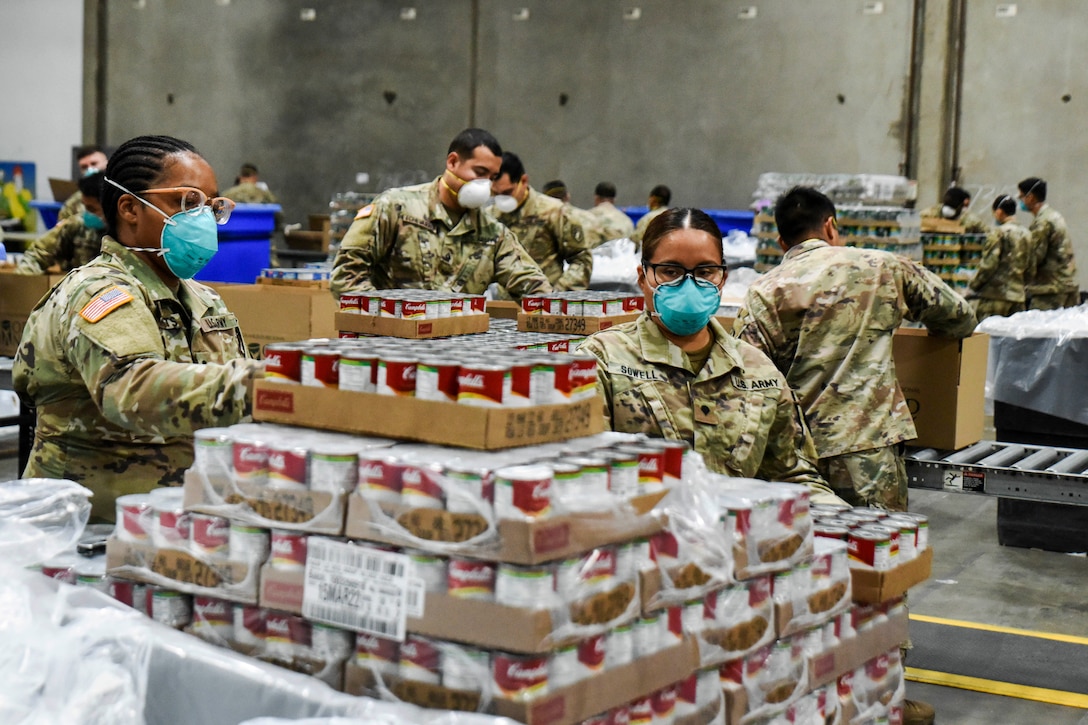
(705, 275)
(191, 201)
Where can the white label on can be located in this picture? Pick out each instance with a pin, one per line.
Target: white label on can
(359, 588)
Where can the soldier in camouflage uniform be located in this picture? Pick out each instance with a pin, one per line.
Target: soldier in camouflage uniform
(72, 242)
(658, 202)
(608, 222)
(435, 236)
(545, 227)
(997, 289)
(826, 316)
(123, 360)
(91, 160)
(1052, 271)
(953, 207)
(247, 188)
(721, 395)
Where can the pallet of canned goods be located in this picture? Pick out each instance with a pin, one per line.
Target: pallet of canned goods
(410, 313)
(156, 541)
(489, 396)
(309, 276)
(580, 312)
(275, 477)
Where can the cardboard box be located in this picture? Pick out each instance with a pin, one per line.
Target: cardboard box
(870, 586)
(275, 313)
(571, 324)
(182, 570)
(314, 512)
(282, 589)
(451, 424)
(851, 653)
(506, 309)
(936, 225)
(411, 329)
(944, 382)
(530, 542)
(19, 295)
(297, 283)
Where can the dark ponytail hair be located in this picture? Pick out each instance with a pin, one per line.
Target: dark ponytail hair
(136, 165)
(672, 220)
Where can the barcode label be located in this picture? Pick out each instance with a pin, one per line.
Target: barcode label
(359, 588)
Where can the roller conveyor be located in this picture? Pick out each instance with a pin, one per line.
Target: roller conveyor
(1009, 470)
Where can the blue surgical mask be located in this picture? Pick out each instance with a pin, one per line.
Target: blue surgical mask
(190, 242)
(93, 221)
(1023, 206)
(686, 308)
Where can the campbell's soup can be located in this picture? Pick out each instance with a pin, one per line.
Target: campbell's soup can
(591, 655)
(577, 576)
(675, 451)
(429, 568)
(172, 520)
(213, 451)
(831, 531)
(134, 517)
(334, 467)
(379, 478)
(664, 704)
(213, 619)
(397, 376)
(321, 367)
(470, 579)
(249, 544)
(288, 549)
(522, 391)
(209, 535)
(523, 492)
(377, 654)
(892, 532)
(527, 587)
(286, 634)
(921, 540)
(532, 304)
(593, 481)
(420, 660)
(352, 302)
(457, 306)
(562, 365)
(622, 471)
(641, 710)
(168, 607)
(475, 304)
(519, 677)
(870, 547)
(436, 379)
(123, 590)
(331, 643)
(92, 573)
(563, 667)
(248, 624)
(288, 466)
(484, 384)
(420, 486)
(250, 459)
(583, 377)
(283, 362)
(633, 304)
(464, 667)
(647, 635)
(63, 569)
(358, 371)
(470, 489)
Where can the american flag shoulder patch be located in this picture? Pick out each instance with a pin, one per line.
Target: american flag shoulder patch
(104, 303)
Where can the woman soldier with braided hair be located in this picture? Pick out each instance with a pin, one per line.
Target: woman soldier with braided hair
(127, 356)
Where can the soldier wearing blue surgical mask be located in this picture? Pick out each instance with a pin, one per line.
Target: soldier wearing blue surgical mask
(676, 373)
(1051, 274)
(72, 242)
(127, 356)
(90, 160)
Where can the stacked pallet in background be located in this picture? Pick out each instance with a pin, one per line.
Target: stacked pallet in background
(950, 252)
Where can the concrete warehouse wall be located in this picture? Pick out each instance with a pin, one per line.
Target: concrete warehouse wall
(702, 95)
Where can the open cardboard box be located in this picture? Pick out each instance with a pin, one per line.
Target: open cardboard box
(506, 309)
(279, 313)
(407, 418)
(322, 284)
(411, 329)
(235, 581)
(528, 542)
(571, 324)
(870, 586)
(19, 295)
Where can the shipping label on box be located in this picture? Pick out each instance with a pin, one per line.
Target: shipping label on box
(570, 324)
(315, 512)
(944, 382)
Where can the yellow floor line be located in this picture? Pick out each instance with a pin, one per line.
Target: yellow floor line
(1073, 639)
(993, 687)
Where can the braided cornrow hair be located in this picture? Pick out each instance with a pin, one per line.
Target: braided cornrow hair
(136, 165)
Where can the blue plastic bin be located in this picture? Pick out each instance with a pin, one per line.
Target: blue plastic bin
(726, 219)
(48, 210)
(245, 245)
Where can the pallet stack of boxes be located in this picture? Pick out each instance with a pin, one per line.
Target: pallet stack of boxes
(511, 559)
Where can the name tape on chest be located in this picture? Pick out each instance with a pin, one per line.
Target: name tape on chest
(756, 383)
(104, 303)
(218, 322)
(421, 223)
(634, 372)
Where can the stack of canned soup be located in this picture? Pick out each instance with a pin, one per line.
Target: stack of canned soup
(455, 370)
(412, 304)
(583, 303)
(874, 537)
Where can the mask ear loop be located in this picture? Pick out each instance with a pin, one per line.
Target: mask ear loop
(160, 251)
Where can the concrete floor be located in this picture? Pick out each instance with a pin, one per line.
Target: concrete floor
(975, 580)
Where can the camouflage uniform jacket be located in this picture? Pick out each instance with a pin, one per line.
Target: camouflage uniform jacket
(250, 193)
(737, 410)
(608, 223)
(971, 223)
(826, 316)
(118, 398)
(69, 244)
(552, 235)
(1000, 274)
(72, 207)
(643, 222)
(406, 238)
(1051, 267)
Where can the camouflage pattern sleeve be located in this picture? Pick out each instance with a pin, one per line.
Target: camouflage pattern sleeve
(515, 269)
(42, 254)
(933, 303)
(758, 325)
(574, 249)
(791, 454)
(120, 359)
(357, 266)
(990, 262)
(73, 207)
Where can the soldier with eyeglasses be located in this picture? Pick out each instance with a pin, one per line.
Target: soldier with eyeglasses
(676, 373)
(127, 356)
